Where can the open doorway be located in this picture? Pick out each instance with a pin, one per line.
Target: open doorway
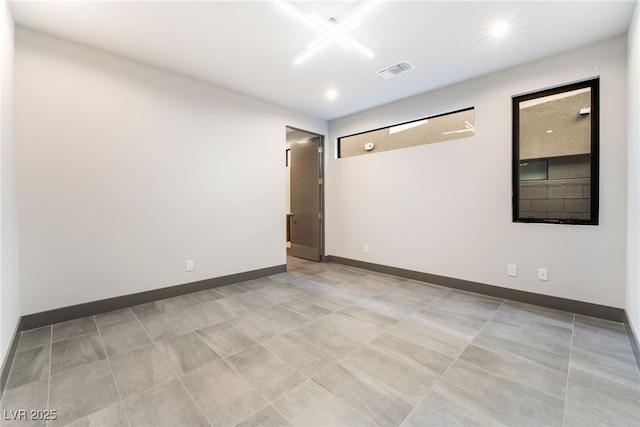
(305, 194)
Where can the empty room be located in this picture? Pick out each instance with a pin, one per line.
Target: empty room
(333, 213)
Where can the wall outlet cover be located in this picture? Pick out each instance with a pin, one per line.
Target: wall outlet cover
(542, 274)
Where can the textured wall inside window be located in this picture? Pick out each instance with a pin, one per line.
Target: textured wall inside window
(446, 127)
(552, 126)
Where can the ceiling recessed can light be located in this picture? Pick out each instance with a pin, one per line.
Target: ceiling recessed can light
(499, 29)
(331, 94)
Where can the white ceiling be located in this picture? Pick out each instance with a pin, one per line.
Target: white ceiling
(249, 46)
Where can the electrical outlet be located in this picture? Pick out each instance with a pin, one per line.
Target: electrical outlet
(542, 274)
(190, 265)
(366, 249)
(512, 270)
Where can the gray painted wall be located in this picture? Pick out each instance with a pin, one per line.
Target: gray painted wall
(9, 277)
(100, 211)
(126, 171)
(633, 167)
(445, 208)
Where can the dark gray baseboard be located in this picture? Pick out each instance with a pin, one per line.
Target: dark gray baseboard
(8, 359)
(633, 338)
(578, 307)
(32, 321)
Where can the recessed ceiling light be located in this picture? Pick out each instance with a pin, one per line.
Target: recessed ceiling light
(499, 29)
(331, 94)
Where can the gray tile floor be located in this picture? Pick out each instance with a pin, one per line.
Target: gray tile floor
(325, 344)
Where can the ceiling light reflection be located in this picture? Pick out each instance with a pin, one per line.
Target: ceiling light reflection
(406, 126)
(499, 29)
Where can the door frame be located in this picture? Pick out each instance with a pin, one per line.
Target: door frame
(321, 181)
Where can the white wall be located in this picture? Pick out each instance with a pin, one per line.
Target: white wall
(9, 283)
(126, 171)
(633, 191)
(445, 208)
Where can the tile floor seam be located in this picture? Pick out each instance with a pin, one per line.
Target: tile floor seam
(175, 373)
(616, 375)
(428, 304)
(269, 403)
(280, 412)
(290, 364)
(508, 324)
(414, 410)
(571, 363)
(121, 401)
(237, 352)
(178, 317)
(367, 344)
(341, 359)
(473, 316)
(521, 358)
(116, 326)
(338, 360)
(233, 368)
(634, 374)
(501, 376)
(254, 414)
(404, 316)
(230, 366)
(249, 308)
(280, 397)
(483, 398)
(613, 417)
(413, 402)
(453, 422)
(503, 322)
(606, 390)
(365, 416)
(453, 363)
(536, 308)
(566, 390)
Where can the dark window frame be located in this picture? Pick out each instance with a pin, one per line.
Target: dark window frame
(594, 85)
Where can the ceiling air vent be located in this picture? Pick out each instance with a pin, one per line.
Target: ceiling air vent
(395, 70)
